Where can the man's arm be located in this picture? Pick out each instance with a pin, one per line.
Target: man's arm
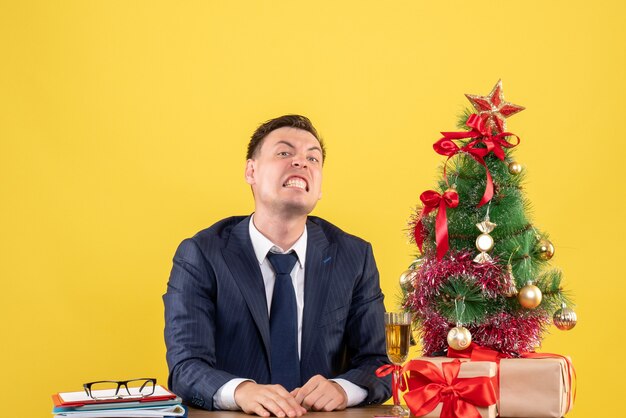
(365, 334)
(365, 342)
(190, 328)
(190, 332)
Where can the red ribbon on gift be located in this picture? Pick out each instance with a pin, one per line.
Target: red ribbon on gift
(446, 146)
(429, 386)
(433, 200)
(396, 383)
(477, 352)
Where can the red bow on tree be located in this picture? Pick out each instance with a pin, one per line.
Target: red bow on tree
(428, 387)
(433, 200)
(446, 146)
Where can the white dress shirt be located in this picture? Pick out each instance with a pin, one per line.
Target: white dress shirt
(224, 398)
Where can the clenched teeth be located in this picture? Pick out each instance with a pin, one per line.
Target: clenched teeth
(295, 182)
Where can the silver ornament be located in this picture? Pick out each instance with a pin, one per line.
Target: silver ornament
(565, 318)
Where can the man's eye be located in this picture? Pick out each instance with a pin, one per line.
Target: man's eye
(283, 154)
(313, 159)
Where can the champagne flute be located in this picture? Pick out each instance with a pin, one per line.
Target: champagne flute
(397, 336)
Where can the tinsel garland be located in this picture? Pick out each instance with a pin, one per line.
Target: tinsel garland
(503, 331)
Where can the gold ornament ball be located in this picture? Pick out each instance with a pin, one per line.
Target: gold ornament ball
(545, 249)
(407, 278)
(515, 168)
(565, 319)
(529, 296)
(459, 338)
(484, 242)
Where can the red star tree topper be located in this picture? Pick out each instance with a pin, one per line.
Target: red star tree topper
(493, 109)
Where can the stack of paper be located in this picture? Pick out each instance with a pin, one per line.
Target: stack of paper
(162, 403)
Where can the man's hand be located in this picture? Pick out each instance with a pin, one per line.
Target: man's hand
(321, 394)
(264, 400)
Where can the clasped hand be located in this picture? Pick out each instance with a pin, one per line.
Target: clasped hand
(318, 394)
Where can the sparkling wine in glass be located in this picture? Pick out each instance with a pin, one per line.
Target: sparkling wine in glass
(398, 338)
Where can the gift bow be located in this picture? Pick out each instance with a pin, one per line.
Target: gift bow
(428, 387)
(433, 200)
(477, 352)
(482, 134)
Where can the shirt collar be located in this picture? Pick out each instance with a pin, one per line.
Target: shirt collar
(262, 245)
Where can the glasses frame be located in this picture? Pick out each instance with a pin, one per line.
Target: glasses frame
(121, 384)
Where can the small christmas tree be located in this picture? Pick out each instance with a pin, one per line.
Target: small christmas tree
(482, 272)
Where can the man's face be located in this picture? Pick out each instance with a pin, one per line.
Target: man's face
(286, 172)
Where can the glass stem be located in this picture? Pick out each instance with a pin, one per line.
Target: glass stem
(395, 386)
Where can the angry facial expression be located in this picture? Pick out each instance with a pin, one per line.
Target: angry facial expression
(286, 172)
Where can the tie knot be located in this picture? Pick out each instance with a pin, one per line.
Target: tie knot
(282, 263)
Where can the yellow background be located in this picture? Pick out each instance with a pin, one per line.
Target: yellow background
(123, 127)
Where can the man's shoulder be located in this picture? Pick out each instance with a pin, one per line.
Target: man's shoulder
(220, 231)
(335, 234)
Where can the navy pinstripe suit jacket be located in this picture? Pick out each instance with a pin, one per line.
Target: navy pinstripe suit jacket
(217, 325)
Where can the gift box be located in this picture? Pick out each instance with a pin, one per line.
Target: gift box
(536, 387)
(444, 387)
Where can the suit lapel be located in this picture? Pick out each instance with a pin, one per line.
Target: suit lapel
(320, 257)
(243, 265)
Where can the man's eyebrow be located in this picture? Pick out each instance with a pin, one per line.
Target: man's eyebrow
(290, 145)
(282, 141)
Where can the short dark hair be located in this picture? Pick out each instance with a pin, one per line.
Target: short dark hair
(291, 121)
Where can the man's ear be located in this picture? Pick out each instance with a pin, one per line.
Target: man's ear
(249, 173)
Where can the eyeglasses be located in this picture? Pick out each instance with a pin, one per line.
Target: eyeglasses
(120, 389)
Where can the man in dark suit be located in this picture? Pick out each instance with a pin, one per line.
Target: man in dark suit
(278, 312)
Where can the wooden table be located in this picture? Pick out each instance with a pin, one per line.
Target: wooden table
(366, 412)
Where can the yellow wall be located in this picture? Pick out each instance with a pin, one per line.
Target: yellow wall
(123, 127)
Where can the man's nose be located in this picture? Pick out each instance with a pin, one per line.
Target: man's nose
(298, 161)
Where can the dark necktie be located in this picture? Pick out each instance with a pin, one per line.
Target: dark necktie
(284, 323)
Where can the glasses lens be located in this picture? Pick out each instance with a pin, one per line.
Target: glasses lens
(141, 387)
(137, 388)
(105, 390)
